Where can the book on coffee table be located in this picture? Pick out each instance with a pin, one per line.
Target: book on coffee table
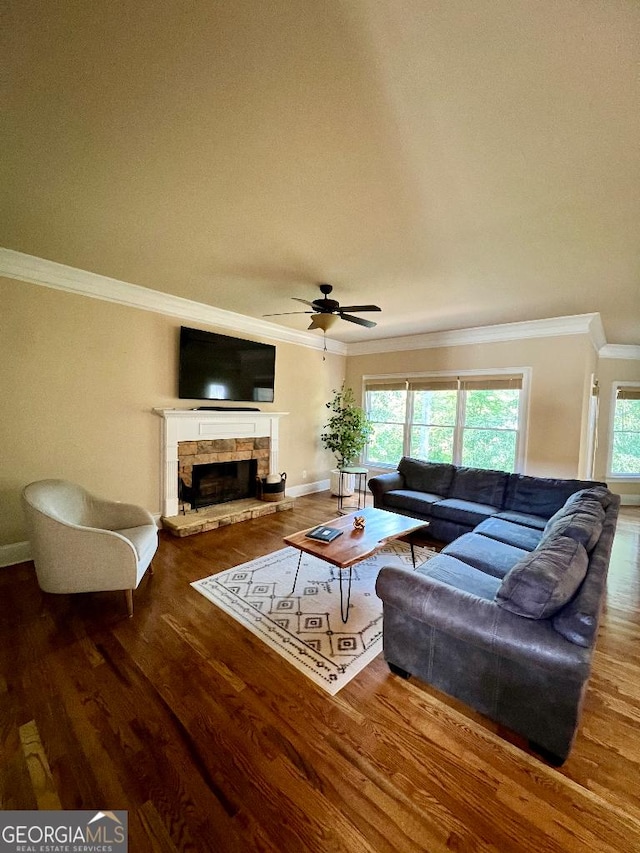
(324, 533)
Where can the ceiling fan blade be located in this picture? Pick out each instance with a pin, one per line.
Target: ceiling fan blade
(361, 308)
(304, 301)
(359, 320)
(285, 313)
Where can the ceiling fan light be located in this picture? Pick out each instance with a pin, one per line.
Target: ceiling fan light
(323, 321)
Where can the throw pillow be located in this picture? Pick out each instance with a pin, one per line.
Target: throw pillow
(560, 513)
(584, 524)
(597, 493)
(545, 580)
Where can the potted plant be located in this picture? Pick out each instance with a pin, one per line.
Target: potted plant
(346, 434)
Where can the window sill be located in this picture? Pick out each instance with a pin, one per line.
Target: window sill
(617, 477)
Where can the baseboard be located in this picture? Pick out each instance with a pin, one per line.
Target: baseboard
(307, 488)
(629, 500)
(18, 552)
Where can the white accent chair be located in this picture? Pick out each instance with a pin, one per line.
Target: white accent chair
(81, 543)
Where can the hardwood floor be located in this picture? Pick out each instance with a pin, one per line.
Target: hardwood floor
(213, 743)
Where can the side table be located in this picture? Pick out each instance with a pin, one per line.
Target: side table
(360, 479)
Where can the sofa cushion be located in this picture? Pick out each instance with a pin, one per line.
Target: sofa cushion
(411, 501)
(595, 493)
(432, 477)
(463, 512)
(541, 495)
(527, 519)
(518, 535)
(542, 582)
(574, 504)
(446, 531)
(460, 575)
(584, 524)
(557, 515)
(479, 485)
(490, 556)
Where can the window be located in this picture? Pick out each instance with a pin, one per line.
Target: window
(624, 451)
(473, 420)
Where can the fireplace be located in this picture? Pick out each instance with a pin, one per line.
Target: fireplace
(194, 437)
(220, 470)
(219, 482)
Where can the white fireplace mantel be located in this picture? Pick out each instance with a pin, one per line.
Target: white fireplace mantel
(201, 425)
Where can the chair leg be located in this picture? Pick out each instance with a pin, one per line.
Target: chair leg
(129, 595)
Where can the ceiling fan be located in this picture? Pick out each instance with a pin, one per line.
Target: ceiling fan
(326, 311)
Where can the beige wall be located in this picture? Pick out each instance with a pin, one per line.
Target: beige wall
(560, 371)
(79, 378)
(609, 371)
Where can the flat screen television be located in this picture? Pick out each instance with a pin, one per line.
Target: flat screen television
(218, 367)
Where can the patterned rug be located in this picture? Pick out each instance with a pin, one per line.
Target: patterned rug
(304, 624)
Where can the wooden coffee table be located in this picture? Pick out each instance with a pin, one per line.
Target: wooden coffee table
(355, 545)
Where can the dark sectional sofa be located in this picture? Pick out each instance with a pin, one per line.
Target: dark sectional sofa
(505, 618)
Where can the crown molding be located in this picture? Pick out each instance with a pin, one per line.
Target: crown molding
(596, 331)
(46, 273)
(577, 324)
(628, 351)
(28, 268)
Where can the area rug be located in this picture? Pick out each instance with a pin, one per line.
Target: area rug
(303, 624)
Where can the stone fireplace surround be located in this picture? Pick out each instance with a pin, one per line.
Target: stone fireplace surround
(195, 453)
(194, 436)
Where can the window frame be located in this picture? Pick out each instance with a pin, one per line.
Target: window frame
(615, 386)
(523, 409)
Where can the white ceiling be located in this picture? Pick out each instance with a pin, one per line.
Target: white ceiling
(460, 164)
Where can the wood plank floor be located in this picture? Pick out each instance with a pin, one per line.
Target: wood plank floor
(213, 743)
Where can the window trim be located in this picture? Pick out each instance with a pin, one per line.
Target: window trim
(523, 411)
(612, 413)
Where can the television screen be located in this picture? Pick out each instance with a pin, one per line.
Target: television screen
(218, 367)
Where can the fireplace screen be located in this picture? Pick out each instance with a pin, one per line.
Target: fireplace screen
(220, 482)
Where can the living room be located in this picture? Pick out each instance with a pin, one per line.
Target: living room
(83, 372)
(508, 242)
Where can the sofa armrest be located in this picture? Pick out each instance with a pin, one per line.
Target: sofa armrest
(481, 622)
(385, 483)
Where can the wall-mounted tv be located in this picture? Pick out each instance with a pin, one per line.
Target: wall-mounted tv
(218, 367)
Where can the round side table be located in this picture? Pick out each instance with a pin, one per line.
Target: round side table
(360, 479)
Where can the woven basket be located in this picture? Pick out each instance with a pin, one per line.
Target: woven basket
(268, 496)
(270, 491)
